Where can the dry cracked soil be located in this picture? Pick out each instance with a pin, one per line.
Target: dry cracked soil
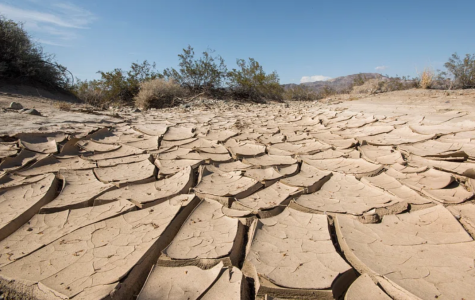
(363, 199)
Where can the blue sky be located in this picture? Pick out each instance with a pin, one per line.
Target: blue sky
(301, 40)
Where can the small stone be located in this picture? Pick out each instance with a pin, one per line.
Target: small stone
(136, 110)
(16, 105)
(32, 112)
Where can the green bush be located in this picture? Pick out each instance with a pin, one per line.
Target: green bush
(91, 92)
(158, 93)
(250, 81)
(23, 61)
(463, 70)
(206, 73)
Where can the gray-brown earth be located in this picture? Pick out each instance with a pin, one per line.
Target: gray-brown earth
(365, 199)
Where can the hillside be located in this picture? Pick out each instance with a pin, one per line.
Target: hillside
(338, 84)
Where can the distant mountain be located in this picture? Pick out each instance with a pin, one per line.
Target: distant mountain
(338, 84)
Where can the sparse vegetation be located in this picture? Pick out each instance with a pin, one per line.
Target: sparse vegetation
(385, 84)
(117, 86)
(360, 80)
(250, 81)
(158, 93)
(462, 69)
(300, 93)
(206, 73)
(426, 78)
(23, 61)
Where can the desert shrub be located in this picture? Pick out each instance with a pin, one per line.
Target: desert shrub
(327, 91)
(426, 78)
(385, 84)
(117, 86)
(359, 80)
(250, 81)
(206, 73)
(91, 92)
(463, 70)
(23, 61)
(300, 93)
(158, 93)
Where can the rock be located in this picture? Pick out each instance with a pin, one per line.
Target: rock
(32, 111)
(136, 110)
(16, 105)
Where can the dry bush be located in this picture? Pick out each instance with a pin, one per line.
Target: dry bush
(384, 85)
(158, 93)
(91, 92)
(300, 93)
(426, 78)
(368, 87)
(63, 106)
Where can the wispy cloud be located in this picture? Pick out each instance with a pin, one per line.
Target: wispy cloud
(314, 78)
(381, 68)
(51, 22)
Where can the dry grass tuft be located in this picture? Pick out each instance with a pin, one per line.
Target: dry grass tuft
(427, 78)
(158, 93)
(63, 106)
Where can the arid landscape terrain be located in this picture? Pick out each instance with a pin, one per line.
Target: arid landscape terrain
(351, 197)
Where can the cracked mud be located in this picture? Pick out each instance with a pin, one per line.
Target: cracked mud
(260, 202)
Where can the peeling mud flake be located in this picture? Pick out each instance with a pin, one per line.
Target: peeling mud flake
(41, 143)
(191, 282)
(147, 194)
(364, 289)
(309, 179)
(384, 155)
(206, 234)
(294, 251)
(230, 184)
(79, 189)
(269, 197)
(346, 194)
(425, 253)
(358, 167)
(52, 164)
(44, 229)
(138, 172)
(19, 204)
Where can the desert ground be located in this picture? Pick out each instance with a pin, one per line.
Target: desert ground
(354, 197)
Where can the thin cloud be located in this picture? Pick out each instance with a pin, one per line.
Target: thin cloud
(381, 68)
(52, 23)
(314, 78)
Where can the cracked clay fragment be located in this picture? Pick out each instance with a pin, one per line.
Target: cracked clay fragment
(147, 194)
(79, 190)
(354, 166)
(346, 194)
(407, 254)
(364, 288)
(206, 234)
(310, 179)
(229, 184)
(294, 250)
(93, 261)
(139, 172)
(44, 229)
(19, 204)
